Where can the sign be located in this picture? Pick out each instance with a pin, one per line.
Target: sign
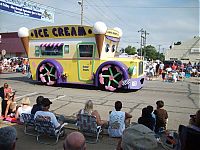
(3, 52)
(112, 33)
(68, 31)
(195, 50)
(27, 8)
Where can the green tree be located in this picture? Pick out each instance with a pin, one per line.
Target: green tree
(150, 52)
(130, 50)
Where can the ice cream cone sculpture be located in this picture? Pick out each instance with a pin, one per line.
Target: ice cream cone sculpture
(23, 33)
(99, 30)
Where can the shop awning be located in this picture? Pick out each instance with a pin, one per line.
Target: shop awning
(51, 44)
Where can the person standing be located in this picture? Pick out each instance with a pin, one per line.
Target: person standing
(118, 120)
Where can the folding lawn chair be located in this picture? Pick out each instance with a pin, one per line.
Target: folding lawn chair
(28, 122)
(44, 126)
(88, 126)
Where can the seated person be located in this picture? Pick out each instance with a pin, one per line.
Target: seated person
(46, 113)
(11, 105)
(161, 117)
(74, 141)
(147, 120)
(7, 89)
(88, 109)
(195, 121)
(38, 105)
(139, 137)
(117, 120)
(25, 108)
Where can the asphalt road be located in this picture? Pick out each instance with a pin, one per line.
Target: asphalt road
(181, 98)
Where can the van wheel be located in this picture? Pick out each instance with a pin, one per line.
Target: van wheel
(48, 74)
(110, 78)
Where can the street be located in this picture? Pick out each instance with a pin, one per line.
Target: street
(181, 98)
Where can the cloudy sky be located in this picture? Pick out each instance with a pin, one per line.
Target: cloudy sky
(166, 21)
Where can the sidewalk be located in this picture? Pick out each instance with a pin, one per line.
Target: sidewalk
(26, 142)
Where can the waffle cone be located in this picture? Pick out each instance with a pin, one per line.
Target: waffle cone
(25, 42)
(99, 41)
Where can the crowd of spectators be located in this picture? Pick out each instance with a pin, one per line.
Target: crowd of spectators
(15, 64)
(171, 72)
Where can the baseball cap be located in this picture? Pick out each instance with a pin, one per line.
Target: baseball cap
(46, 102)
(139, 137)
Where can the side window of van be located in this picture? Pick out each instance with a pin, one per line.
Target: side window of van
(86, 50)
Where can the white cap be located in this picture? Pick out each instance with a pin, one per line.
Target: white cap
(119, 30)
(23, 32)
(99, 28)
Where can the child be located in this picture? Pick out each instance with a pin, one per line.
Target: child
(163, 75)
(161, 116)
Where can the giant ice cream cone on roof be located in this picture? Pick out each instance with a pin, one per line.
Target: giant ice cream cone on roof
(23, 33)
(99, 30)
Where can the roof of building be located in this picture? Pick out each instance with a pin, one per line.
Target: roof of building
(11, 43)
(184, 49)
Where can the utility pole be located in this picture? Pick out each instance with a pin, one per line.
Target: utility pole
(141, 41)
(159, 51)
(145, 41)
(81, 3)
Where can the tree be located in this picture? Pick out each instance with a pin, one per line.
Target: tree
(150, 52)
(130, 50)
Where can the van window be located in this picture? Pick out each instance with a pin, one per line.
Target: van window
(86, 50)
(52, 50)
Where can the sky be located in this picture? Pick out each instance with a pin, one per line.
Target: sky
(166, 21)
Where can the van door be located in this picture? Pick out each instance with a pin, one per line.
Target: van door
(86, 55)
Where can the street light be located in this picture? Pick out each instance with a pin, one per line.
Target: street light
(81, 4)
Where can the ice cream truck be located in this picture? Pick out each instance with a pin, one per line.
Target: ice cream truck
(80, 54)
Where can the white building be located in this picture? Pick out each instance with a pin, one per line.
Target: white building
(186, 51)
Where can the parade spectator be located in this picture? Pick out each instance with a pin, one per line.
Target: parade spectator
(7, 89)
(146, 119)
(161, 116)
(74, 141)
(163, 75)
(11, 105)
(195, 121)
(46, 113)
(139, 137)
(174, 66)
(118, 120)
(8, 136)
(88, 109)
(38, 105)
(25, 108)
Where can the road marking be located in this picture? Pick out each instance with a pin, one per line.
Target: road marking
(59, 97)
(29, 94)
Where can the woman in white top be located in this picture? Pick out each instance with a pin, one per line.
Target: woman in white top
(25, 108)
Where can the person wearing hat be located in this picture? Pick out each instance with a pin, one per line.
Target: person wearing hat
(25, 108)
(139, 137)
(45, 112)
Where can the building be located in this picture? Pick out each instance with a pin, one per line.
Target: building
(186, 51)
(12, 44)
